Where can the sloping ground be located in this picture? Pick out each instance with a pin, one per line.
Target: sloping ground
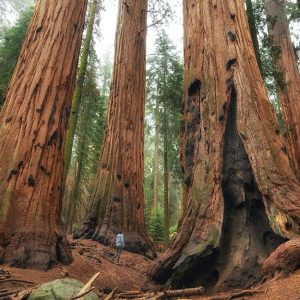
(91, 257)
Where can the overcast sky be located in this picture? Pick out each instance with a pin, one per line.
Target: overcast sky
(108, 28)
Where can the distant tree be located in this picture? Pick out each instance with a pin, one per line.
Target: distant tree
(77, 98)
(165, 74)
(10, 10)
(86, 148)
(10, 48)
(33, 125)
(288, 77)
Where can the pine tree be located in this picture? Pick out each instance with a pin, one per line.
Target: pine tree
(10, 47)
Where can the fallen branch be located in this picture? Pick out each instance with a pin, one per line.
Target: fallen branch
(110, 295)
(24, 294)
(17, 280)
(83, 294)
(87, 286)
(165, 294)
(237, 294)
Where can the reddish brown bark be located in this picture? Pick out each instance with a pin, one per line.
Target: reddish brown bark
(242, 197)
(32, 132)
(118, 201)
(284, 260)
(288, 77)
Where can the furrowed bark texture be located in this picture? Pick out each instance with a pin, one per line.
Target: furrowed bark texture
(242, 198)
(289, 81)
(32, 132)
(118, 201)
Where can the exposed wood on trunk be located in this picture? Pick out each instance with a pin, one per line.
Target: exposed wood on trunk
(32, 132)
(242, 196)
(288, 77)
(118, 201)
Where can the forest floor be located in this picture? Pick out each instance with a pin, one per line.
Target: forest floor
(130, 274)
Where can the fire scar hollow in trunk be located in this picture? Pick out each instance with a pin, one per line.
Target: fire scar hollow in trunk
(242, 198)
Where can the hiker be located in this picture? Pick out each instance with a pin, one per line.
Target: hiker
(119, 246)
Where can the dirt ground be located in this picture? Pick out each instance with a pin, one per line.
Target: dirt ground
(130, 274)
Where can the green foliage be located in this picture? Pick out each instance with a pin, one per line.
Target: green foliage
(164, 90)
(156, 224)
(10, 47)
(89, 133)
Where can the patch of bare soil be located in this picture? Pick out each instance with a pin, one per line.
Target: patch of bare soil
(129, 275)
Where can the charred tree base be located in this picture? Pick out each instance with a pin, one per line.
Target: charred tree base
(247, 238)
(87, 229)
(134, 242)
(32, 249)
(284, 260)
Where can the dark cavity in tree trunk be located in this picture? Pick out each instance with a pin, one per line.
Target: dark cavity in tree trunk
(247, 238)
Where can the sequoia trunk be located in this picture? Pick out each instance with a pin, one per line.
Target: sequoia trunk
(242, 197)
(32, 132)
(118, 201)
(288, 77)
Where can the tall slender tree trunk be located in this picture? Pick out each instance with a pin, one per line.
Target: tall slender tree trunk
(32, 133)
(289, 78)
(166, 176)
(78, 89)
(253, 30)
(242, 195)
(156, 160)
(118, 201)
(74, 194)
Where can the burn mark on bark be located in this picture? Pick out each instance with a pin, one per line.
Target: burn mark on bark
(284, 149)
(127, 185)
(20, 164)
(194, 87)
(119, 177)
(39, 29)
(230, 63)
(229, 83)
(232, 16)
(7, 120)
(53, 138)
(39, 109)
(31, 181)
(44, 170)
(232, 36)
(116, 199)
(12, 173)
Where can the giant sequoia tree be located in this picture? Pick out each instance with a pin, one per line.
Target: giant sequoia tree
(118, 201)
(288, 77)
(242, 197)
(32, 131)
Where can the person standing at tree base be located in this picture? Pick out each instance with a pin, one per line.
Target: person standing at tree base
(119, 246)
